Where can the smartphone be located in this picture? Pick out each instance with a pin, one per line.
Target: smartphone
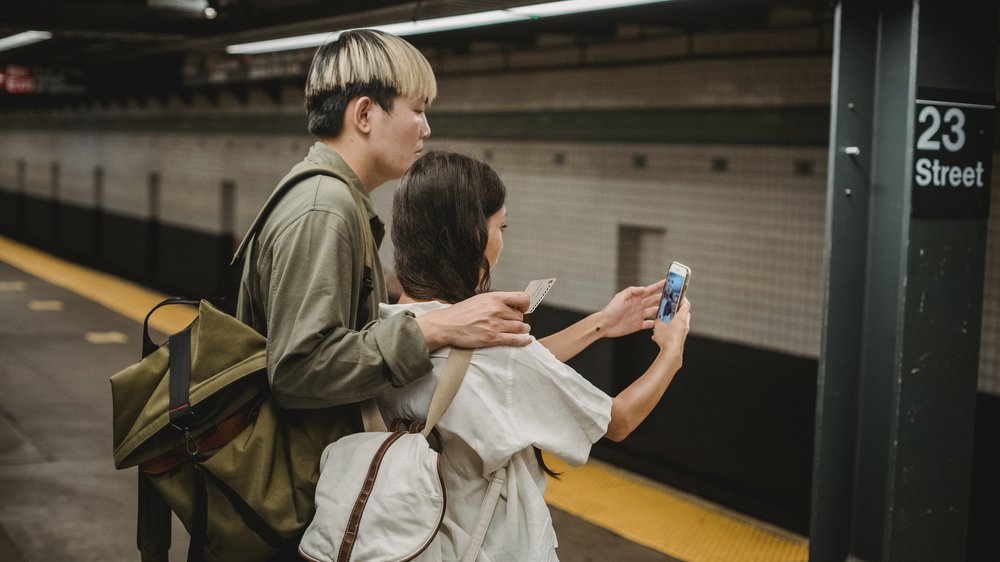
(673, 291)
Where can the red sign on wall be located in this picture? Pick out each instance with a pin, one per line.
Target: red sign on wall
(19, 80)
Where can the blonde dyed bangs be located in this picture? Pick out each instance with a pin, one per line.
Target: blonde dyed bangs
(372, 56)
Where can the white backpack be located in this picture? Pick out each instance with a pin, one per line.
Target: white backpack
(380, 496)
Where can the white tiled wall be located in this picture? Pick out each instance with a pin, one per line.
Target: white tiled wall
(753, 234)
(191, 170)
(700, 83)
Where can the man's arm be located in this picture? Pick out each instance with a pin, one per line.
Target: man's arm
(315, 358)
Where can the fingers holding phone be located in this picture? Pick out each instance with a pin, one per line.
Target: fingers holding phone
(671, 337)
(677, 330)
(683, 315)
(674, 290)
(674, 314)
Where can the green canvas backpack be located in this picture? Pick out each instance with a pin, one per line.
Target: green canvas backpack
(197, 417)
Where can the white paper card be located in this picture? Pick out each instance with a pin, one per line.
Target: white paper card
(537, 290)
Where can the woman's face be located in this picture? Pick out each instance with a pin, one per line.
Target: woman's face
(495, 226)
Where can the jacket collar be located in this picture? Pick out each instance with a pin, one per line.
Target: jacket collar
(417, 308)
(323, 155)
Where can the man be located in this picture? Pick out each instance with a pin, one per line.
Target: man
(304, 281)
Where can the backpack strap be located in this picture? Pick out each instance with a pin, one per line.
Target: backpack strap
(153, 520)
(486, 514)
(294, 177)
(300, 172)
(447, 387)
(152, 523)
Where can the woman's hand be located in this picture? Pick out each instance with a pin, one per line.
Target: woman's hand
(631, 310)
(671, 337)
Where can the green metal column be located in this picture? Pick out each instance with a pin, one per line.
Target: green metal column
(847, 207)
(908, 197)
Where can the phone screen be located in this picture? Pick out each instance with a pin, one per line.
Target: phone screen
(673, 292)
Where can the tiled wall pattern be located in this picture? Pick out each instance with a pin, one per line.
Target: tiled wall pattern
(747, 219)
(753, 235)
(701, 83)
(191, 170)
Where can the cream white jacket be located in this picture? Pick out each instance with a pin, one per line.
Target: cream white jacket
(512, 398)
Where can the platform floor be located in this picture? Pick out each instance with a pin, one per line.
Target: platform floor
(65, 329)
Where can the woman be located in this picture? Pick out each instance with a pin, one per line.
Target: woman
(447, 227)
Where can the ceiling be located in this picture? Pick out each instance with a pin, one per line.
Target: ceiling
(119, 41)
(93, 32)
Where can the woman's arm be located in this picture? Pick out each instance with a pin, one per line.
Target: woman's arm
(627, 312)
(633, 404)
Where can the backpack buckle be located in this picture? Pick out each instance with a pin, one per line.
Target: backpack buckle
(191, 444)
(182, 418)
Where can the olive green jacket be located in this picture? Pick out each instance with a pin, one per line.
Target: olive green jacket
(300, 288)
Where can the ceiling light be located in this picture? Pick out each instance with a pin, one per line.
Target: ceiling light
(284, 44)
(493, 17)
(576, 7)
(479, 19)
(22, 39)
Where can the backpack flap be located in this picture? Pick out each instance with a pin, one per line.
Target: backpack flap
(402, 511)
(380, 495)
(228, 372)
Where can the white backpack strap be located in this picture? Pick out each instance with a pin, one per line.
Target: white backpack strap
(447, 387)
(485, 514)
(371, 417)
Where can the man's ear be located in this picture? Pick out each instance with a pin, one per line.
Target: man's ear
(359, 114)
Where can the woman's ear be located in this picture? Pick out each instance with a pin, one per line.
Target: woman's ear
(359, 114)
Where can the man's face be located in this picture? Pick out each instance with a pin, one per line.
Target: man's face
(398, 135)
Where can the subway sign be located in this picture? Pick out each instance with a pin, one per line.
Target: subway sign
(952, 154)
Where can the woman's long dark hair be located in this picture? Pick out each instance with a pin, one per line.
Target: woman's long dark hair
(440, 215)
(440, 227)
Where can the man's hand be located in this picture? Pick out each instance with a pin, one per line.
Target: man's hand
(631, 310)
(484, 320)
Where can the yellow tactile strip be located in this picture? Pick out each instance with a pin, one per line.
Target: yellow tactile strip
(124, 297)
(644, 512)
(664, 520)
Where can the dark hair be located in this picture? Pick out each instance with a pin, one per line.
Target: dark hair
(326, 109)
(363, 62)
(440, 215)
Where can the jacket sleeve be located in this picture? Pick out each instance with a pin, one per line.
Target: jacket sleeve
(315, 359)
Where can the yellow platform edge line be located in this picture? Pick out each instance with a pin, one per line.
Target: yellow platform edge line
(665, 520)
(646, 513)
(124, 297)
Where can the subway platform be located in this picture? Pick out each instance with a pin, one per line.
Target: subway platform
(64, 330)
